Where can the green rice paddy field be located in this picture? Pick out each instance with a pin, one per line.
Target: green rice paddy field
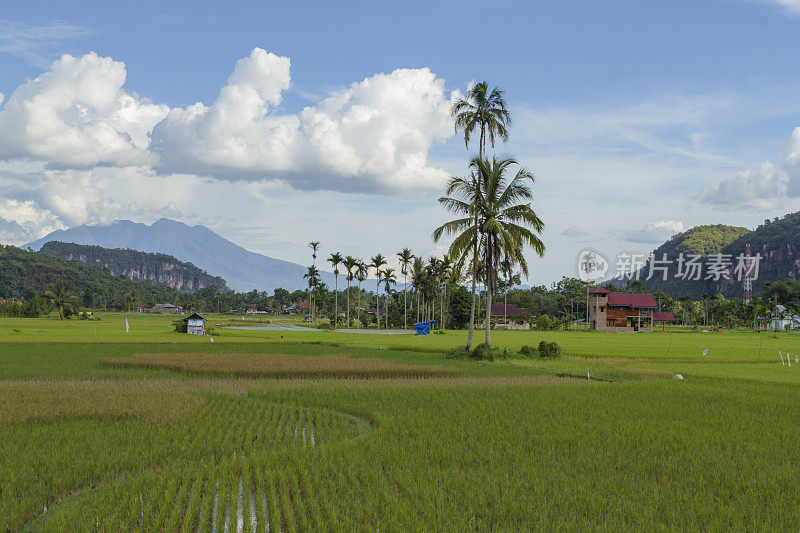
(103, 430)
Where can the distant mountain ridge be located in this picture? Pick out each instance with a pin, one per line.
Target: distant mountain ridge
(242, 269)
(161, 268)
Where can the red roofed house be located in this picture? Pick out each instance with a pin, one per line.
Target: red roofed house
(666, 319)
(620, 311)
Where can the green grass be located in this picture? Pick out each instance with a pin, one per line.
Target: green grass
(505, 445)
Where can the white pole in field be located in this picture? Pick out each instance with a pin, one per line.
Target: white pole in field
(127, 328)
(781, 354)
(705, 352)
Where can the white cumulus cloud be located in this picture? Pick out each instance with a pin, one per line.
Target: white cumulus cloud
(235, 135)
(77, 115)
(762, 188)
(373, 135)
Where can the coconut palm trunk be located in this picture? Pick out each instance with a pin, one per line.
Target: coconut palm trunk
(336, 302)
(405, 299)
(489, 285)
(444, 308)
(474, 300)
(505, 307)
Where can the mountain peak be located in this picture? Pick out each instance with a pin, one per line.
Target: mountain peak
(242, 269)
(169, 222)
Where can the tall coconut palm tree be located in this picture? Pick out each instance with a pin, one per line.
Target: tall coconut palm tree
(507, 221)
(61, 297)
(377, 262)
(506, 267)
(388, 278)
(434, 268)
(484, 110)
(335, 260)
(511, 279)
(445, 271)
(462, 197)
(503, 226)
(350, 264)
(312, 275)
(405, 256)
(314, 245)
(362, 271)
(417, 280)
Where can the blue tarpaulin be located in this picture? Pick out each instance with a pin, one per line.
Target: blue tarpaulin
(424, 328)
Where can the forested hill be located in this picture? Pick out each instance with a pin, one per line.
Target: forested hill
(163, 269)
(777, 240)
(703, 240)
(24, 273)
(700, 240)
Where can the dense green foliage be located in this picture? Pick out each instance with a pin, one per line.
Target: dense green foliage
(23, 274)
(703, 240)
(700, 240)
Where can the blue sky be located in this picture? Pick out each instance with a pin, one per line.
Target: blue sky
(639, 119)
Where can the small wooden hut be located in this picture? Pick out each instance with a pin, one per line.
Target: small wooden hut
(666, 320)
(195, 324)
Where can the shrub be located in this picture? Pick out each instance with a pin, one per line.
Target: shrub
(179, 326)
(482, 352)
(457, 353)
(549, 349)
(528, 351)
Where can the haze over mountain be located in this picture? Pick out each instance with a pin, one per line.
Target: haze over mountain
(243, 270)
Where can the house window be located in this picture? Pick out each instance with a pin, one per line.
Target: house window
(602, 308)
(610, 322)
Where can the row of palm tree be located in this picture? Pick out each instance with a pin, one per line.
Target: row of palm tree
(428, 282)
(495, 219)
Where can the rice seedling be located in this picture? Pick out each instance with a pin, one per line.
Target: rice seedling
(151, 449)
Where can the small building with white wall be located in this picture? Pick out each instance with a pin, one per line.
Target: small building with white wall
(195, 324)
